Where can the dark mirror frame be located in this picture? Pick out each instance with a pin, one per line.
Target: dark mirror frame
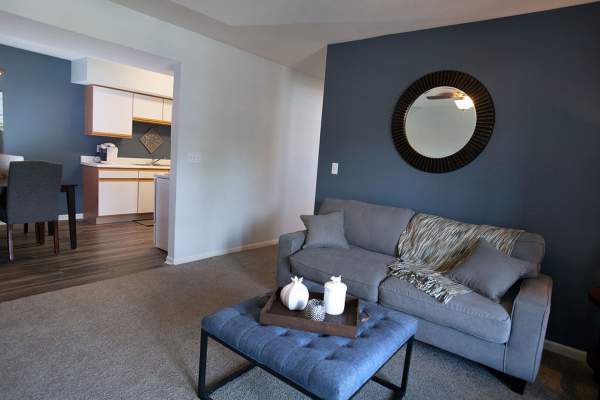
(484, 106)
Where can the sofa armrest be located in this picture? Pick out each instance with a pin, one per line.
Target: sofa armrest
(289, 244)
(530, 312)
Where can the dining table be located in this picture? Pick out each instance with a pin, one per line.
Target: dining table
(69, 190)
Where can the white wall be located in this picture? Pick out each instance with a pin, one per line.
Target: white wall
(254, 123)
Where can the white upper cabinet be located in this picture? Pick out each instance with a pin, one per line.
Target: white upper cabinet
(167, 110)
(108, 112)
(147, 108)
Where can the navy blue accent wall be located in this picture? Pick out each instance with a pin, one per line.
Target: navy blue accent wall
(539, 172)
(44, 116)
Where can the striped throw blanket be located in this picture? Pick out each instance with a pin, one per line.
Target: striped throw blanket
(432, 246)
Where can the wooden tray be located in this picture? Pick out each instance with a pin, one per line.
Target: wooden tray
(346, 324)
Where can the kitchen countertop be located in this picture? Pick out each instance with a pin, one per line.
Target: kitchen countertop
(131, 163)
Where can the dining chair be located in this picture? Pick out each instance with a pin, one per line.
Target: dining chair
(5, 160)
(32, 195)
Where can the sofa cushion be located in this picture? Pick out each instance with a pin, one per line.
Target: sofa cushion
(469, 313)
(361, 270)
(370, 226)
(530, 247)
(325, 230)
(490, 272)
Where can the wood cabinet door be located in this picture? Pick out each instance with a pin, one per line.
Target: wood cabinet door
(147, 108)
(167, 110)
(109, 112)
(117, 197)
(146, 197)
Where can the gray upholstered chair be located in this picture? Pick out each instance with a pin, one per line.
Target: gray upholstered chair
(32, 195)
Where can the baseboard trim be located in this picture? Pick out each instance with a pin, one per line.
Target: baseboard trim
(567, 351)
(183, 260)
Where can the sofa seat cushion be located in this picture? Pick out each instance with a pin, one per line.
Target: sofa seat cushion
(469, 313)
(361, 270)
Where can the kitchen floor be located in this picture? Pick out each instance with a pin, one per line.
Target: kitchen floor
(104, 251)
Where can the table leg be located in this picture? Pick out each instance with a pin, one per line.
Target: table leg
(72, 217)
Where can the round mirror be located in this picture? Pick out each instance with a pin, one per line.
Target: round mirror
(443, 121)
(440, 122)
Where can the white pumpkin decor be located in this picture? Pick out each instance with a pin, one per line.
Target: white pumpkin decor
(294, 295)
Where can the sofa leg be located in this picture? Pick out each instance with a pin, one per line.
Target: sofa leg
(516, 385)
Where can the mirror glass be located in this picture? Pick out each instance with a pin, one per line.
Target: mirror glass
(440, 122)
(1, 114)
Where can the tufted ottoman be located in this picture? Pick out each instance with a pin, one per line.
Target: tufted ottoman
(320, 366)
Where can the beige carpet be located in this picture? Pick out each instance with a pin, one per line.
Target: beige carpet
(136, 337)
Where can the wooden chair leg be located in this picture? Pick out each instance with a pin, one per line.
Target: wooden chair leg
(50, 228)
(55, 234)
(26, 228)
(40, 229)
(9, 231)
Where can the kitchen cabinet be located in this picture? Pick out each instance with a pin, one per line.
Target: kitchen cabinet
(146, 190)
(118, 194)
(167, 110)
(145, 200)
(117, 197)
(147, 108)
(108, 112)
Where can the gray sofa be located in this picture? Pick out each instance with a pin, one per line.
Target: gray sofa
(506, 336)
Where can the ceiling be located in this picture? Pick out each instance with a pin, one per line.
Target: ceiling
(296, 32)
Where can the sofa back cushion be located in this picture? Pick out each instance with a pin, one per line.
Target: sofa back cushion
(370, 226)
(530, 247)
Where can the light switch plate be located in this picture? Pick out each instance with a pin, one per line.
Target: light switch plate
(334, 168)
(193, 157)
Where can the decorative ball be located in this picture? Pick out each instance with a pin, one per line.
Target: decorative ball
(315, 310)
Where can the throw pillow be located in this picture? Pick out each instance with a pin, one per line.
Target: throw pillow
(325, 230)
(489, 272)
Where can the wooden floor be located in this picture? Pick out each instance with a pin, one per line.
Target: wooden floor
(104, 251)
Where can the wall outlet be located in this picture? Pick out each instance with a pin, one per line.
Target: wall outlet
(334, 168)
(193, 157)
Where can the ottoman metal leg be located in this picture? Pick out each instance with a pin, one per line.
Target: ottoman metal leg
(399, 392)
(205, 391)
(202, 394)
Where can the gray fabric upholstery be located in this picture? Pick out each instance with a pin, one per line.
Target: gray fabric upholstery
(490, 272)
(530, 314)
(470, 313)
(361, 270)
(289, 244)
(467, 346)
(33, 192)
(530, 247)
(370, 226)
(508, 337)
(325, 230)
